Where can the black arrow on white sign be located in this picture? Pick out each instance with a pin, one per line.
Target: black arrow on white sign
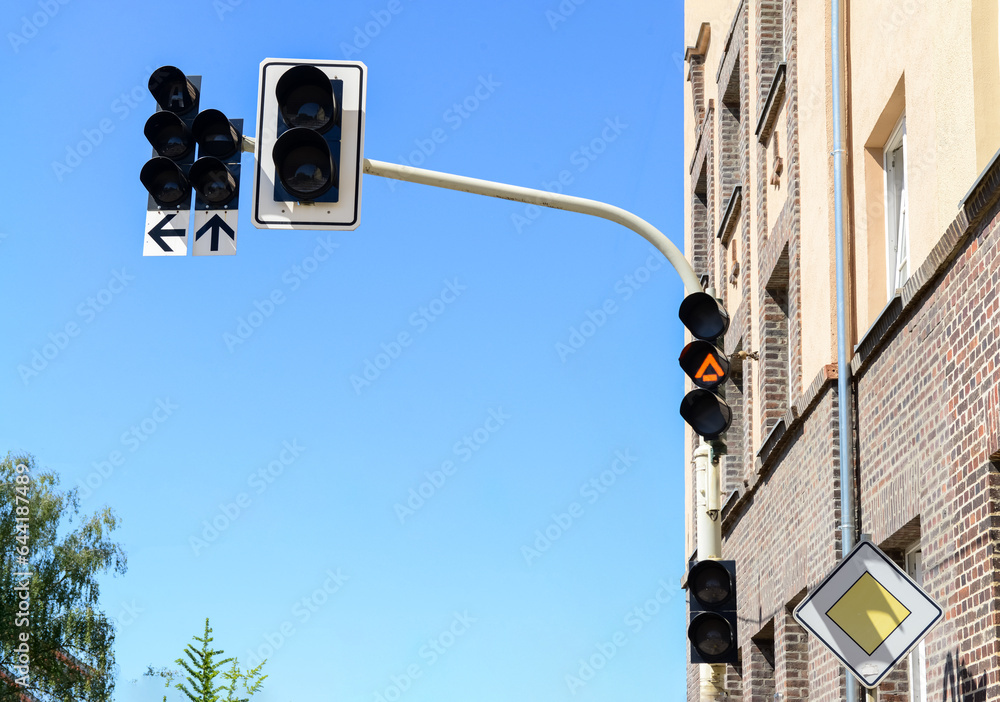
(158, 232)
(215, 224)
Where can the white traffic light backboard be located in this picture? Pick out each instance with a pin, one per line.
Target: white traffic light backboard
(333, 108)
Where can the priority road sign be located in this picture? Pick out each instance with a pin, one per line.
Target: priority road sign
(869, 613)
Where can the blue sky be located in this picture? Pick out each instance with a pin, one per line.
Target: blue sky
(386, 539)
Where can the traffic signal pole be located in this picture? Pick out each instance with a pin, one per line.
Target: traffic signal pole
(709, 490)
(543, 198)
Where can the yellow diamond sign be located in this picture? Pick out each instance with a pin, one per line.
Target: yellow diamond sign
(869, 613)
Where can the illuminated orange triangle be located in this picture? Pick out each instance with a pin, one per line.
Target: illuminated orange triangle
(708, 377)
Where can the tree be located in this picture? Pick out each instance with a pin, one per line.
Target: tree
(202, 670)
(55, 642)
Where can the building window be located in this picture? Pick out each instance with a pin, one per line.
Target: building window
(896, 218)
(917, 660)
(776, 379)
(732, 476)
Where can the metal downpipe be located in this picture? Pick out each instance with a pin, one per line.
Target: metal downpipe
(844, 425)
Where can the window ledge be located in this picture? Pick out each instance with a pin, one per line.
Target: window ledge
(704, 128)
(732, 216)
(729, 39)
(769, 112)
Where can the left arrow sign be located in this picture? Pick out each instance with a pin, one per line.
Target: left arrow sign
(158, 233)
(166, 234)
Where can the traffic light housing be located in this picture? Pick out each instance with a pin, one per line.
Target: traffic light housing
(712, 623)
(173, 178)
(215, 178)
(166, 175)
(310, 144)
(706, 364)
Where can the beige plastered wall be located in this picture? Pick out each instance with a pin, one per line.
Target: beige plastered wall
(915, 55)
(817, 253)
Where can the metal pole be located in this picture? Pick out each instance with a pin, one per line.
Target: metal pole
(844, 424)
(707, 472)
(708, 491)
(543, 198)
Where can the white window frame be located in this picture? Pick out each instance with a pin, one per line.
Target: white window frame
(918, 656)
(897, 220)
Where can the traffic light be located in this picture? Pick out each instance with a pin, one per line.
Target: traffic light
(166, 175)
(712, 626)
(705, 363)
(215, 177)
(310, 144)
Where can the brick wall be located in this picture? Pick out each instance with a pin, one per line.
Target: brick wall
(927, 445)
(791, 657)
(775, 347)
(769, 43)
(783, 534)
(925, 398)
(926, 406)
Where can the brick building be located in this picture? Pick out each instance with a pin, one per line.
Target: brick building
(920, 105)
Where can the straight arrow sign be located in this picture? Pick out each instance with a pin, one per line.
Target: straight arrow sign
(215, 233)
(215, 224)
(166, 234)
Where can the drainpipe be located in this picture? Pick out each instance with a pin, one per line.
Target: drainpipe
(844, 424)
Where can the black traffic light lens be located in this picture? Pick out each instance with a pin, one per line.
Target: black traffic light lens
(172, 90)
(213, 180)
(215, 134)
(711, 634)
(303, 163)
(703, 316)
(711, 583)
(706, 412)
(164, 181)
(305, 98)
(169, 135)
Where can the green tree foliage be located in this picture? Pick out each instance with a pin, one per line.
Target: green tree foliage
(69, 639)
(203, 669)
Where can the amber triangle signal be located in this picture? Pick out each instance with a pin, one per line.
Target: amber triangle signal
(705, 364)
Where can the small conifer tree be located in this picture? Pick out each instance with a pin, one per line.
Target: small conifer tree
(203, 668)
